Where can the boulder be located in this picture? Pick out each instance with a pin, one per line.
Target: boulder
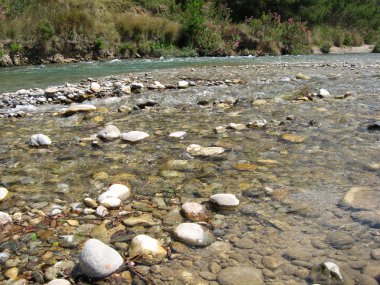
(98, 260)
(149, 250)
(134, 136)
(6, 61)
(110, 132)
(39, 140)
(194, 234)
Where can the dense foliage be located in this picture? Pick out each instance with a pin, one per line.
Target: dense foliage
(127, 28)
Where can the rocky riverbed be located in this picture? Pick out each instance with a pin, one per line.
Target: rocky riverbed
(249, 174)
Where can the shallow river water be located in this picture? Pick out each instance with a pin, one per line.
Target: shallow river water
(290, 176)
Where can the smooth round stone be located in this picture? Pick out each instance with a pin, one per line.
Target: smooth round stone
(375, 254)
(145, 220)
(119, 191)
(77, 108)
(340, 240)
(39, 140)
(362, 198)
(272, 263)
(182, 84)
(372, 218)
(193, 211)
(328, 273)
(302, 76)
(194, 234)
(110, 132)
(3, 193)
(95, 87)
(241, 275)
(324, 93)
(136, 86)
(134, 136)
(293, 138)
(149, 249)
(5, 218)
(59, 282)
(177, 135)
(89, 202)
(257, 123)
(98, 260)
(197, 150)
(4, 256)
(159, 85)
(225, 201)
(111, 203)
(101, 211)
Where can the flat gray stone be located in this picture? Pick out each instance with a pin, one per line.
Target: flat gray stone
(240, 275)
(134, 136)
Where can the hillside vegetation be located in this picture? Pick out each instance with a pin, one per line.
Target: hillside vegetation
(31, 30)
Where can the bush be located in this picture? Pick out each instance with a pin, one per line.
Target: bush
(15, 48)
(1, 52)
(45, 30)
(99, 44)
(377, 46)
(357, 39)
(325, 48)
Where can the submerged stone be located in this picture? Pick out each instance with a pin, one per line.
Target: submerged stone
(194, 234)
(149, 250)
(39, 140)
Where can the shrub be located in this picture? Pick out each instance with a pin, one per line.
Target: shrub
(1, 52)
(15, 48)
(377, 46)
(357, 39)
(45, 30)
(99, 44)
(325, 48)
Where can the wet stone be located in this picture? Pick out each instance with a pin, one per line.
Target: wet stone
(5, 218)
(3, 193)
(39, 140)
(59, 282)
(225, 201)
(362, 198)
(145, 220)
(193, 211)
(244, 243)
(340, 240)
(149, 250)
(297, 253)
(242, 275)
(272, 263)
(375, 254)
(110, 132)
(194, 234)
(134, 136)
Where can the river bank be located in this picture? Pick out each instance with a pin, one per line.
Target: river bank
(295, 142)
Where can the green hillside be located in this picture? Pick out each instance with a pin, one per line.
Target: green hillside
(82, 29)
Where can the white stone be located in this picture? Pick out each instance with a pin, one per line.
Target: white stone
(101, 211)
(150, 249)
(159, 85)
(111, 203)
(257, 123)
(197, 150)
(76, 108)
(5, 218)
(182, 84)
(95, 87)
(193, 211)
(225, 200)
(324, 93)
(59, 282)
(177, 135)
(332, 267)
(136, 86)
(134, 136)
(126, 89)
(236, 127)
(51, 90)
(110, 132)
(3, 193)
(119, 191)
(39, 140)
(194, 234)
(98, 260)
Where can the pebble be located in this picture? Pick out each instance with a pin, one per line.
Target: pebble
(98, 260)
(340, 240)
(119, 191)
(323, 93)
(145, 220)
(182, 84)
(39, 140)
(101, 211)
(79, 108)
(5, 218)
(3, 193)
(110, 132)
(11, 273)
(193, 211)
(4, 256)
(375, 254)
(271, 262)
(302, 76)
(59, 282)
(134, 136)
(111, 202)
(89, 202)
(293, 138)
(225, 201)
(240, 275)
(149, 250)
(362, 198)
(197, 150)
(257, 123)
(177, 135)
(194, 234)
(95, 87)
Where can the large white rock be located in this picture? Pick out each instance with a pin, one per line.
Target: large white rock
(182, 84)
(177, 135)
(5, 218)
(98, 260)
(150, 250)
(225, 201)
(119, 191)
(257, 123)
(324, 93)
(95, 87)
(134, 136)
(159, 85)
(76, 108)
(110, 132)
(59, 282)
(3, 193)
(197, 150)
(194, 234)
(111, 203)
(39, 140)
